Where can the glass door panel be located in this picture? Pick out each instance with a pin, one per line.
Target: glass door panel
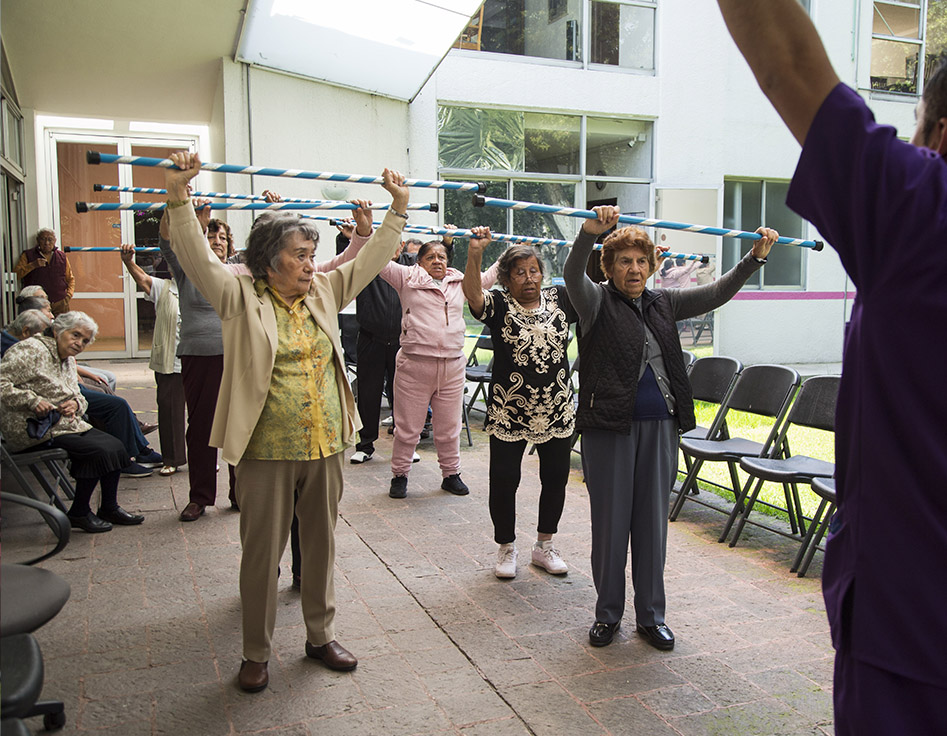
(145, 225)
(99, 283)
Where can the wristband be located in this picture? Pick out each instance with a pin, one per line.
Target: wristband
(393, 211)
(759, 260)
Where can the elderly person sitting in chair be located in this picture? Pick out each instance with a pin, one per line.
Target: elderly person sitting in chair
(39, 392)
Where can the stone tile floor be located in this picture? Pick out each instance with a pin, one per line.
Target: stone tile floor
(150, 641)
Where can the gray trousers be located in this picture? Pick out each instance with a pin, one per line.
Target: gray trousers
(629, 478)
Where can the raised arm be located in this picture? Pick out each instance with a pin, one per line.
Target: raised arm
(357, 235)
(473, 286)
(687, 303)
(134, 270)
(785, 53)
(583, 294)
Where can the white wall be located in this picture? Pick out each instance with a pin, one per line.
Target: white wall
(300, 124)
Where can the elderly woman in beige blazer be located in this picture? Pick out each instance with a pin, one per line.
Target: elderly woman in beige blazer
(285, 411)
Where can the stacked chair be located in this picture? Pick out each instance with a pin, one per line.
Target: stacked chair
(764, 390)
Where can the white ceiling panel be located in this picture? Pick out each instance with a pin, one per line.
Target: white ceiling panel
(387, 47)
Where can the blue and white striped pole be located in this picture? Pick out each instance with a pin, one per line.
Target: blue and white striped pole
(210, 195)
(481, 201)
(327, 205)
(423, 229)
(94, 157)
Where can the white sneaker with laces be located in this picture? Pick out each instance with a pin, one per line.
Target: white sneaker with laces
(387, 421)
(359, 457)
(506, 561)
(547, 557)
(415, 458)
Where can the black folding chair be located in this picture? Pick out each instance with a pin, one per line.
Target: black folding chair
(814, 407)
(763, 390)
(712, 379)
(47, 465)
(689, 359)
(825, 488)
(480, 373)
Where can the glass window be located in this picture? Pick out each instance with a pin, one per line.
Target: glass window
(621, 32)
(543, 165)
(619, 147)
(473, 138)
(12, 133)
(746, 206)
(622, 35)
(896, 44)
(552, 143)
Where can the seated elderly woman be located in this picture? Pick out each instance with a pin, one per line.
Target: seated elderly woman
(285, 412)
(28, 323)
(39, 392)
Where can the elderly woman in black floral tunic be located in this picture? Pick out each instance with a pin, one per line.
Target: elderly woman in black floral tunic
(530, 395)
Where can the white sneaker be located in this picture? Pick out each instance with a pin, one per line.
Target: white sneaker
(415, 458)
(359, 457)
(387, 421)
(506, 561)
(547, 557)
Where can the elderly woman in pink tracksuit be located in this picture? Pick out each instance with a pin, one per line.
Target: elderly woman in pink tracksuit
(429, 369)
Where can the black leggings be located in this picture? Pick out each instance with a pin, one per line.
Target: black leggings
(85, 487)
(505, 461)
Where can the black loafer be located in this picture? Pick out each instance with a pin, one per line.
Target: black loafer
(601, 633)
(660, 636)
(89, 523)
(120, 516)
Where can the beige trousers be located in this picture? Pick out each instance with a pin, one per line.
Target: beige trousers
(265, 490)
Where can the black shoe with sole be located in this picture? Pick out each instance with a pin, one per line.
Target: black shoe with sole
(659, 636)
(601, 633)
(453, 484)
(399, 487)
(120, 516)
(89, 523)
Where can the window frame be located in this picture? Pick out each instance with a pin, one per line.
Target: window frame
(736, 243)
(585, 50)
(870, 37)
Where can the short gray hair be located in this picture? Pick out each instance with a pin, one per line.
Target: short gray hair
(268, 238)
(31, 290)
(24, 303)
(71, 320)
(43, 231)
(28, 323)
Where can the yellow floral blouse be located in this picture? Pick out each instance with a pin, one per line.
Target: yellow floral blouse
(302, 416)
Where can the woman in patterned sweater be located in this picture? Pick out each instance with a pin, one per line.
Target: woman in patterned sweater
(530, 393)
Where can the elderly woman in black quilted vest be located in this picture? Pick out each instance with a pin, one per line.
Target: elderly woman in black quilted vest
(634, 400)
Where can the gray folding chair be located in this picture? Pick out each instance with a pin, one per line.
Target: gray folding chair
(814, 407)
(763, 390)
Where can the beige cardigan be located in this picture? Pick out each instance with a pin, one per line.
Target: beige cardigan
(249, 325)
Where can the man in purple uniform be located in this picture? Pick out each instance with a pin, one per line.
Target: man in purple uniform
(880, 202)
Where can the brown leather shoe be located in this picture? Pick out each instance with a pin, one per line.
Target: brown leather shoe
(333, 655)
(146, 427)
(253, 676)
(192, 512)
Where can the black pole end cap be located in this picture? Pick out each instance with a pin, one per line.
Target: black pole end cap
(434, 207)
(481, 187)
(82, 206)
(93, 157)
(705, 259)
(96, 187)
(479, 201)
(819, 245)
(66, 248)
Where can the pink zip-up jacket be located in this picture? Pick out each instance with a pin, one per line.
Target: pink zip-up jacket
(432, 316)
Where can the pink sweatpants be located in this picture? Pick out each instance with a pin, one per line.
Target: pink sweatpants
(421, 382)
